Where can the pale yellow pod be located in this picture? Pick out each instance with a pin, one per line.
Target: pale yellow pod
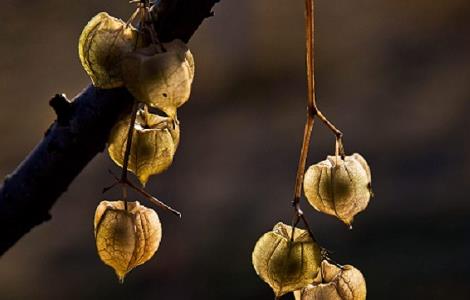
(285, 264)
(161, 79)
(154, 143)
(338, 187)
(103, 43)
(126, 239)
(338, 283)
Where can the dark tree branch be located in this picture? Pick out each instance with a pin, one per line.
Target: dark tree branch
(79, 133)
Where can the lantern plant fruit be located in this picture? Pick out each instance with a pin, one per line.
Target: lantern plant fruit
(126, 238)
(154, 143)
(161, 77)
(337, 283)
(339, 187)
(287, 259)
(104, 41)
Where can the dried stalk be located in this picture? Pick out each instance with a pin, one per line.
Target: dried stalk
(143, 11)
(312, 112)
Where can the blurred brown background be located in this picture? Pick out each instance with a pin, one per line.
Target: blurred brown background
(393, 75)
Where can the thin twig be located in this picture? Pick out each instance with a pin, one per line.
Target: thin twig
(153, 199)
(141, 191)
(312, 112)
(127, 153)
(303, 159)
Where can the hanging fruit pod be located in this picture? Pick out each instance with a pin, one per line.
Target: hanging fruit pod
(285, 263)
(103, 43)
(154, 143)
(336, 283)
(338, 187)
(160, 77)
(126, 238)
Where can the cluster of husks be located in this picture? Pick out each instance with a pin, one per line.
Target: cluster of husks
(288, 260)
(336, 186)
(126, 238)
(115, 54)
(159, 75)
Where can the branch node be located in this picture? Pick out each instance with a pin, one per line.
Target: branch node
(312, 110)
(63, 109)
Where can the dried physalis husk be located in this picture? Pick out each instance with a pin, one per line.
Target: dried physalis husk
(103, 43)
(159, 77)
(154, 143)
(338, 187)
(126, 239)
(284, 263)
(337, 283)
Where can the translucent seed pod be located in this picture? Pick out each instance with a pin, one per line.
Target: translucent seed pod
(154, 143)
(338, 283)
(285, 264)
(126, 239)
(161, 79)
(338, 187)
(103, 43)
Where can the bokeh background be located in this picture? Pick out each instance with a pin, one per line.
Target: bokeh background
(393, 75)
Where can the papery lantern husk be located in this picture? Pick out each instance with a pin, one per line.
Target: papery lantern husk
(338, 187)
(104, 41)
(126, 239)
(161, 78)
(284, 263)
(337, 283)
(154, 143)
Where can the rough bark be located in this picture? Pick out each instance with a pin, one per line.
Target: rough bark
(79, 133)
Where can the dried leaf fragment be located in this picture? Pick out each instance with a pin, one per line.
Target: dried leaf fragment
(339, 187)
(338, 283)
(126, 239)
(154, 143)
(285, 264)
(160, 79)
(103, 43)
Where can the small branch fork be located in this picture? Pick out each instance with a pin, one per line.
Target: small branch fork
(142, 13)
(141, 191)
(312, 113)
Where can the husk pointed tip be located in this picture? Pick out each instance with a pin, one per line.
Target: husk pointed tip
(121, 278)
(348, 223)
(143, 179)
